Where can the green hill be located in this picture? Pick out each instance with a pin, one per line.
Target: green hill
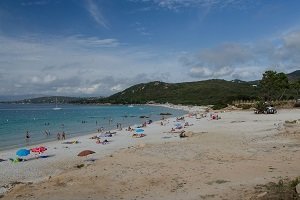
(200, 93)
(294, 76)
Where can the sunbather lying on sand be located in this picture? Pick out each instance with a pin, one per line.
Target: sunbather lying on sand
(105, 141)
(138, 135)
(98, 141)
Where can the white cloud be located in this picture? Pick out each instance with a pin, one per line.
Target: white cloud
(116, 88)
(246, 61)
(207, 4)
(94, 41)
(96, 14)
(43, 80)
(205, 72)
(35, 3)
(77, 65)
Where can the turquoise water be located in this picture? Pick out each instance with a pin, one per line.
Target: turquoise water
(74, 120)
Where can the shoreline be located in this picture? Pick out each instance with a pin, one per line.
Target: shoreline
(218, 142)
(83, 133)
(71, 157)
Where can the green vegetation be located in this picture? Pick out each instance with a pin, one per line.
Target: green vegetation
(215, 92)
(274, 85)
(49, 100)
(284, 189)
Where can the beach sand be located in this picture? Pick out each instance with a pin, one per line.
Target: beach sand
(222, 159)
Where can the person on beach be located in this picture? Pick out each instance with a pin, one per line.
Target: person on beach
(182, 134)
(58, 136)
(119, 126)
(63, 135)
(105, 141)
(129, 129)
(98, 140)
(27, 135)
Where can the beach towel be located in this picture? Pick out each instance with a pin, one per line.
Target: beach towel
(16, 160)
(71, 142)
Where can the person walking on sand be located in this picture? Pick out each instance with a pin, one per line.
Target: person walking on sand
(58, 136)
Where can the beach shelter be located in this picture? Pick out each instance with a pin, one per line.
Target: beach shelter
(139, 131)
(23, 152)
(85, 153)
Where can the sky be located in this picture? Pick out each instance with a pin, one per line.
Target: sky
(100, 47)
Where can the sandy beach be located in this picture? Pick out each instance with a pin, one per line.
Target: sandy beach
(221, 159)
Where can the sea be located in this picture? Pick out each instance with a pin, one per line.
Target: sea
(42, 122)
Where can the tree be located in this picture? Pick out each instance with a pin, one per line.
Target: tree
(296, 86)
(274, 85)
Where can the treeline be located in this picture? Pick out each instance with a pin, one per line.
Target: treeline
(273, 86)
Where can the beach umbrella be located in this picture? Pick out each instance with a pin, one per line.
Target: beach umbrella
(23, 152)
(40, 149)
(139, 130)
(85, 153)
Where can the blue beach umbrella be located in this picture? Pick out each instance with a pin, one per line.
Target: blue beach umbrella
(23, 152)
(139, 130)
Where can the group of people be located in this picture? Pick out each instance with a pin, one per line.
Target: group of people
(61, 136)
(101, 129)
